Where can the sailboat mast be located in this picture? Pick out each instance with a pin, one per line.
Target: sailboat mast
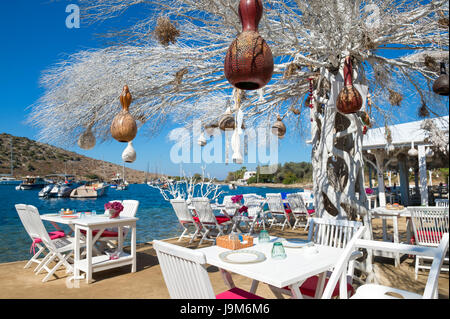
(12, 165)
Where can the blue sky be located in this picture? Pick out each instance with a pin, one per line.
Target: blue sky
(34, 37)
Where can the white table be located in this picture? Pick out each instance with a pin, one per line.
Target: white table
(99, 222)
(291, 271)
(384, 213)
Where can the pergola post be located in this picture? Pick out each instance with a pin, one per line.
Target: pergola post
(423, 175)
(404, 182)
(379, 157)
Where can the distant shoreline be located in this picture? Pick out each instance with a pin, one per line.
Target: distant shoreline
(279, 185)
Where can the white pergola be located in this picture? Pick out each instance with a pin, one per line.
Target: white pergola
(400, 154)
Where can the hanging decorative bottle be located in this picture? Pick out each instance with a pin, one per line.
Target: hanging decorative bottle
(279, 128)
(87, 140)
(349, 99)
(441, 86)
(123, 126)
(249, 60)
(129, 154)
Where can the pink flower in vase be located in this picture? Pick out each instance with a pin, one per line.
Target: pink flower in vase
(115, 208)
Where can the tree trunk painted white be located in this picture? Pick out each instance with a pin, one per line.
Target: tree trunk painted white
(423, 175)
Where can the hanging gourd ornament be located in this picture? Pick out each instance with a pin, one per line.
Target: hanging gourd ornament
(123, 127)
(364, 131)
(87, 140)
(349, 99)
(249, 60)
(310, 100)
(441, 86)
(129, 154)
(279, 128)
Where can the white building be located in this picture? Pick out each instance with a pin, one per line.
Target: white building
(249, 174)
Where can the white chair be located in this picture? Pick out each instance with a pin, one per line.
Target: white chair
(333, 233)
(373, 291)
(59, 249)
(208, 220)
(185, 218)
(298, 210)
(185, 275)
(441, 202)
(429, 225)
(277, 210)
(255, 212)
(22, 211)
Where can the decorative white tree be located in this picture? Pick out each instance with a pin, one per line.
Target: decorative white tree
(172, 60)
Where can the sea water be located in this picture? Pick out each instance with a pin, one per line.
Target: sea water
(157, 220)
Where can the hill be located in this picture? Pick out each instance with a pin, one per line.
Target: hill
(39, 159)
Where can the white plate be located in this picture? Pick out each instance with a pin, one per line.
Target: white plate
(242, 256)
(296, 243)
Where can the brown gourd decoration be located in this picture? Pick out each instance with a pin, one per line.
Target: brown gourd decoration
(123, 127)
(249, 60)
(279, 128)
(441, 86)
(349, 99)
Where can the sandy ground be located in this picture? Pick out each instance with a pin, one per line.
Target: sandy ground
(148, 283)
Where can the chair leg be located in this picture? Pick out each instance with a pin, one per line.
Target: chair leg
(183, 234)
(416, 270)
(62, 260)
(43, 265)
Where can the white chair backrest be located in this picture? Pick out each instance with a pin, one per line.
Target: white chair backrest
(296, 203)
(38, 229)
(181, 210)
(441, 202)
(429, 224)
(431, 287)
(275, 202)
(252, 199)
(339, 271)
(130, 207)
(22, 211)
(227, 200)
(332, 232)
(184, 271)
(204, 211)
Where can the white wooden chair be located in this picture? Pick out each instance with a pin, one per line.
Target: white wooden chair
(22, 211)
(333, 233)
(59, 249)
(278, 211)
(208, 220)
(185, 218)
(429, 225)
(185, 275)
(255, 212)
(441, 202)
(298, 210)
(373, 291)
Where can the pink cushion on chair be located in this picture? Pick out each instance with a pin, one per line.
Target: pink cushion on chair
(220, 219)
(429, 234)
(287, 210)
(237, 293)
(106, 233)
(311, 211)
(308, 288)
(53, 235)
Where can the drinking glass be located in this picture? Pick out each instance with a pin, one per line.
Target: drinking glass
(278, 251)
(263, 237)
(94, 213)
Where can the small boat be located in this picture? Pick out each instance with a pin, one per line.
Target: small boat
(63, 187)
(93, 190)
(5, 180)
(232, 186)
(45, 192)
(31, 182)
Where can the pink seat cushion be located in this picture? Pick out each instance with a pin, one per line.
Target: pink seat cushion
(106, 233)
(236, 293)
(308, 288)
(433, 235)
(53, 235)
(220, 219)
(311, 211)
(288, 211)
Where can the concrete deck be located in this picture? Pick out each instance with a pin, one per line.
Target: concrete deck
(148, 283)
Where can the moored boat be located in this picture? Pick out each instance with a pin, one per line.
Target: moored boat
(32, 182)
(93, 190)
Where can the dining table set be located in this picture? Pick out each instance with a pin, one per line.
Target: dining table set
(87, 229)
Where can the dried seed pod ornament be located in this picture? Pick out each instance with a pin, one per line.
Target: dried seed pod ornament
(123, 126)
(279, 128)
(129, 154)
(249, 60)
(441, 85)
(87, 140)
(349, 99)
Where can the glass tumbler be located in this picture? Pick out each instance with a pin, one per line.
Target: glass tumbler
(263, 237)
(278, 251)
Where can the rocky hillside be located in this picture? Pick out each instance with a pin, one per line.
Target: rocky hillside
(39, 159)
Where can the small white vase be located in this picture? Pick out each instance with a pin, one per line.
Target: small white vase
(129, 154)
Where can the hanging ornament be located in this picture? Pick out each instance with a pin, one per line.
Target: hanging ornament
(441, 86)
(129, 154)
(87, 140)
(311, 98)
(364, 130)
(226, 122)
(210, 128)
(429, 152)
(123, 127)
(201, 139)
(236, 139)
(349, 99)
(279, 128)
(249, 60)
(364, 118)
(412, 151)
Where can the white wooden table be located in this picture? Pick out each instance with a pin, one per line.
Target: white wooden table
(292, 271)
(102, 262)
(384, 214)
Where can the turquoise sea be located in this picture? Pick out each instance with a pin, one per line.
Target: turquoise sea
(156, 217)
